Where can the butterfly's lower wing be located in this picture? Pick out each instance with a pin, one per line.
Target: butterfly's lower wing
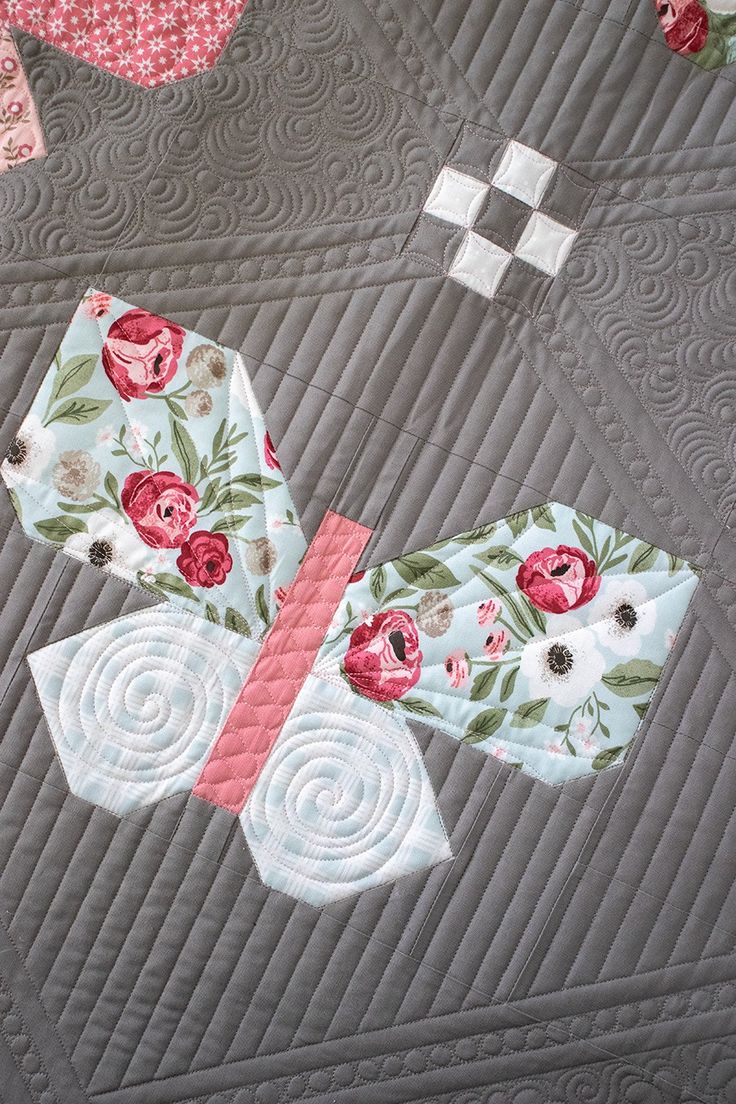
(145, 454)
(539, 639)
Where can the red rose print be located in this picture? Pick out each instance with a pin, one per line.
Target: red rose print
(162, 507)
(271, 458)
(558, 579)
(685, 25)
(141, 353)
(384, 660)
(205, 559)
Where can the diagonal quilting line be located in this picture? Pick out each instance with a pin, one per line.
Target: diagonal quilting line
(286, 658)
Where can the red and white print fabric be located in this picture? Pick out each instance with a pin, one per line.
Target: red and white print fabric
(150, 42)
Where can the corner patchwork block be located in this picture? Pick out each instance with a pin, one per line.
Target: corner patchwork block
(545, 243)
(524, 173)
(456, 197)
(479, 264)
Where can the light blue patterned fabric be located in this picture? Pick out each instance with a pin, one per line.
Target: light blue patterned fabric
(553, 677)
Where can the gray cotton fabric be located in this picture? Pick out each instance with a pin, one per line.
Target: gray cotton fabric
(579, 947)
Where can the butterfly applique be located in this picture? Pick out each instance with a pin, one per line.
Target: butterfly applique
(276, 680)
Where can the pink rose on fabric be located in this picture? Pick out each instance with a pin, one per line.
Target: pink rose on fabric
(270, 452)
(488, 612)
(457, 668)
(205, 559)
(280, 594)
(384, 661)
(97, 305)
(162, 507)
(141, 353)
(495, 644)
(685, 24)
(25, 150)
(558, 579)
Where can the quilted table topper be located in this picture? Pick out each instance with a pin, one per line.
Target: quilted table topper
(367, 496)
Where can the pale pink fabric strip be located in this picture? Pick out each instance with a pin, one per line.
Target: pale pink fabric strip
(21, 137)
(286, 658)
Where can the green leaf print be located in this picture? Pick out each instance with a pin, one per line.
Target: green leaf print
(57, 529)
(423, 571)
(78, 411)
(484, 683)
(499, 556)
(236, 622)
(530, 713)
(184, 450)
(262, 605)
(484, 725)
(606, 757)
(378, 582)
(174, 584)
(643, 558)
(543, 517)
(633, 679)
(72, 376)
(419, 707)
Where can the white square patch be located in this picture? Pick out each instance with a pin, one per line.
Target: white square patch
(524, 173)
(456, 197)
(479, 264)
(545, 243)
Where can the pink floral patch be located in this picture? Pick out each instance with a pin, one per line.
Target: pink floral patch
(150, 42)
(21, 137)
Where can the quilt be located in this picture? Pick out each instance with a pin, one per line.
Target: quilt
(368, 530)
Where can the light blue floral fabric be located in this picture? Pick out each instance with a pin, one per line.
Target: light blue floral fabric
(539, 639)
(145, 453)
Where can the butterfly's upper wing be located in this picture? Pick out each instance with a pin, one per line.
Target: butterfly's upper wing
(539, 639)
(145, 453)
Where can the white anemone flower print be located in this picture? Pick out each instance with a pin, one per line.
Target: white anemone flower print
(621, 615)
(564, 667)
(107, 543)
(30, 451)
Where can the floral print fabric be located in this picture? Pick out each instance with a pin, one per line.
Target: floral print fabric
(704, 32)
(145, 454)
(150, 42)
(21, 137)
(539, 639)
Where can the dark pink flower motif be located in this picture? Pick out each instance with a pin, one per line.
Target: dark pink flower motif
(270, 452)
(280, 594)
(25, 150)
(8, 65)
(356, 577)
(97, 305)
(495, 644)
(162, 507)
(457, 668)
(558, 579)
(384, 661)
(205, 559)
(488, 612)
(141, 353)
(15, 107)
(685, 24)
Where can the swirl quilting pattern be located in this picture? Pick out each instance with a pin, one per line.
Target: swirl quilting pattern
(660, 297)
(343, 802)
(135, 705)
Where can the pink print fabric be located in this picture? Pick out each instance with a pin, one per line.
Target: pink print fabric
(285, 660)
(21, 137)
(150, 42)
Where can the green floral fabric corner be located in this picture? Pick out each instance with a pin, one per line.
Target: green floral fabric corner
(539, 639)
(146, 455)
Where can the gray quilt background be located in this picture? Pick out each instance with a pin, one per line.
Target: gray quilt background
(580, 947)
